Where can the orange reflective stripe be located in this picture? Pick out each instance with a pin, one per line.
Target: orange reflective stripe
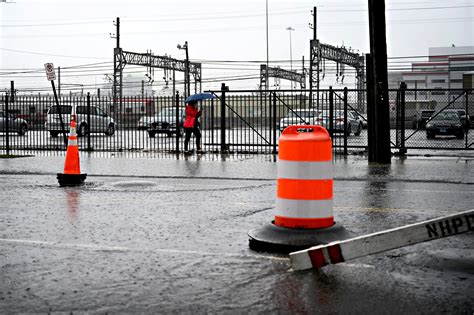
(72, 137)
(303, 223)
(302, 149)
(305, 189)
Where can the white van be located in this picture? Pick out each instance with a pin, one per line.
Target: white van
(99, 122)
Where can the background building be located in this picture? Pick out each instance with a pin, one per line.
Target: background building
(443, 70)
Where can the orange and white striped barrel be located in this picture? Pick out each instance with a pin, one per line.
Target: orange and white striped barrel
(305, 179)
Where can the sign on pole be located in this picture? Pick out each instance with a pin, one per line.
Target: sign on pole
(50, 74)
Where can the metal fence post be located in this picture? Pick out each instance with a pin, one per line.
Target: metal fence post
(88, 121)
(345, 121)
(403, 88)
(331, 113)
(466, 121)
(274, 122)
(224, 147)
(397, 119)
(177, 121)
(7, 124)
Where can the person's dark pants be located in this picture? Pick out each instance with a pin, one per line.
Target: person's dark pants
(197, 134)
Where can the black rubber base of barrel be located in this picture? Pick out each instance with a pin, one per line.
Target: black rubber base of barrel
(71, 179)
(275, 239)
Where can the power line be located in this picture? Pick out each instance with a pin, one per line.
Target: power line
(52, 55)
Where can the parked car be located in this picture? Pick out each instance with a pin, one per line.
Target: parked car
(354, 126)
(15, 124)
(99, 122)
(444, 123)
(165, 122)
(300, 117)
(356, 116)
(465, 120)
(145, 122)
(421, 117)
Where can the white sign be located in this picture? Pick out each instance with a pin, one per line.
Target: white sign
(340, 251)
(50, 74)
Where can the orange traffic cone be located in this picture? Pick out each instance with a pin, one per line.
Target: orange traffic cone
(72, 170)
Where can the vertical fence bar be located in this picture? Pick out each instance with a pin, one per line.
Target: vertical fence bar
(7, 124)
(212, 123)
(345, 121)
(224, 147)
(273, 124)
(397, 118)
(89, 126)
(466, 121)
(177, 121)
(331, 113)
(403, 88)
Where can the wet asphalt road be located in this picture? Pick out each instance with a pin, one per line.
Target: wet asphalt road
(156, 234)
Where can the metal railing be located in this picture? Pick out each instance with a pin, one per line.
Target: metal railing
(240, 121)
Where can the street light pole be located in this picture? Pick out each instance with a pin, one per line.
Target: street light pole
(290, 29)
(187, 79)
(266, 22)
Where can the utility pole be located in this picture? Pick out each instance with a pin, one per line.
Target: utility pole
(117, 24)
(118, 67)
(378, 51)
(59, 82)
(12, 92)
(313, 43)
(290, 29)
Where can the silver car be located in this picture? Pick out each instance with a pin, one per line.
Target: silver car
(300, 117)
(99, 121)
(353, 126)
(15, 124)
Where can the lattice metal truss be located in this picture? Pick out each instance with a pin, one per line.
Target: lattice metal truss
(280, 73)
(340, 55)
(122, 58)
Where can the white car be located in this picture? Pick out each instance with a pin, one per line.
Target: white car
(99, 121)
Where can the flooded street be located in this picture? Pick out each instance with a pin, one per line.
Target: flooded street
(170, 236)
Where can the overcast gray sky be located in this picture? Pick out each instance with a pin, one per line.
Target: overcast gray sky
(228, 37)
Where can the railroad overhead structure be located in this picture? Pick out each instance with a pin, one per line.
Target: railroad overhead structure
(123, 58)
(341, 56)
(266, 73)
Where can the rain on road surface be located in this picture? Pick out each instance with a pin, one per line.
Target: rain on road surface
(141, 237)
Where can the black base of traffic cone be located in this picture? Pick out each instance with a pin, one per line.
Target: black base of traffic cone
(275, 239)
(71, 179)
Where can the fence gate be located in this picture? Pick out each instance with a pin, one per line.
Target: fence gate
(432, 119)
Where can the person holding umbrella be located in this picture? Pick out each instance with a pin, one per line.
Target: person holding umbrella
(191, 123)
